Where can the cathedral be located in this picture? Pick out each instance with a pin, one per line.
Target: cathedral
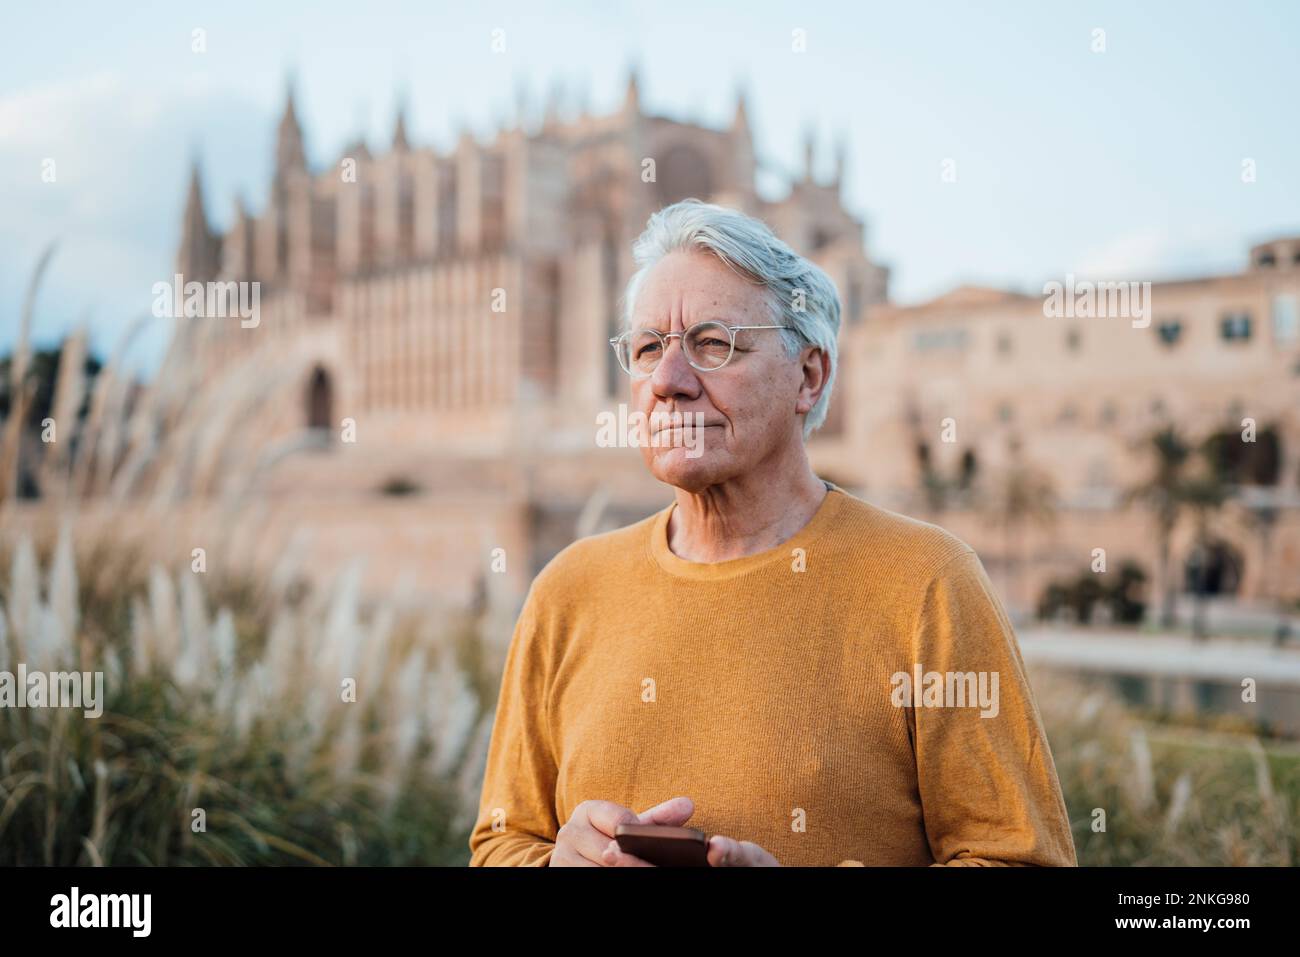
(426, 377)
(440, 323)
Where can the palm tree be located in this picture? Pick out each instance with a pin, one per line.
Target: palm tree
(1022, 496)
(1162, 494)
(935, 486)
(1204, 495)
(1172, 489)
(1261, 515)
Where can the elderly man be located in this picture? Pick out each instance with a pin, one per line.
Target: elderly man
(807, 678)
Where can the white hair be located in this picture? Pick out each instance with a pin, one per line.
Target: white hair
(800, 293)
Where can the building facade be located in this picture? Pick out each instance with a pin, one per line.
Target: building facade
(959, 405)
(446, 295)
(453, 310)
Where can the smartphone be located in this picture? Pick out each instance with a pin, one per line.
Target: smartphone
(664, 846)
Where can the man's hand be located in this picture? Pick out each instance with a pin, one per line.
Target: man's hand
(586, 839)
(724, 852)
(674, 812)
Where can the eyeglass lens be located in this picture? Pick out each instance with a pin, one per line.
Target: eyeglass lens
(707, 346)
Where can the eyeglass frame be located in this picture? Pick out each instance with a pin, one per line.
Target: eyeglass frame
(663, 344)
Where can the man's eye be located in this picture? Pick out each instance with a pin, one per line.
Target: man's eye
(645, 348)
(711, 345)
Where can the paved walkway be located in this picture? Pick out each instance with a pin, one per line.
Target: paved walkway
(1225, 659)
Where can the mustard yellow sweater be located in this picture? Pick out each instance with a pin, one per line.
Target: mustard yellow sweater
(770, 689)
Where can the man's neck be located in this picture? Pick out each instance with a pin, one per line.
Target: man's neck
(743, 516)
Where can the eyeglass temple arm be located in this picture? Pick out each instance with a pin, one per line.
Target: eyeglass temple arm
(669, 335)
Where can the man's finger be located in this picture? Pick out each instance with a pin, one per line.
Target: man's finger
(587, 842)
(614, 856)
(724, 852)
(605, 816)
(674, 812)
(574, 857)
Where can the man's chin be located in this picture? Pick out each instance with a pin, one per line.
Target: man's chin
(681, 468)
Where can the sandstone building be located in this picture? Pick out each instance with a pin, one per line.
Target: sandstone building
(455, 308)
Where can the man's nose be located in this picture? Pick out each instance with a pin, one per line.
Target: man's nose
(674, 375)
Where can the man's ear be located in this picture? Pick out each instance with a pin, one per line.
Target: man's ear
(816, 367)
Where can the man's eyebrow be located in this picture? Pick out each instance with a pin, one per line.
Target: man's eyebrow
(729, 319)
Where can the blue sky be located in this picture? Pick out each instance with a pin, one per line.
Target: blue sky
(1125, 163)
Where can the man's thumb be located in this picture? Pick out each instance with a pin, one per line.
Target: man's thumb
(674, 812)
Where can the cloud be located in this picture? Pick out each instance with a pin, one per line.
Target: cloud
(1157, 253)
(121, 158)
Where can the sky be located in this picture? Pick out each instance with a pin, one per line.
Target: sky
(1124, 162)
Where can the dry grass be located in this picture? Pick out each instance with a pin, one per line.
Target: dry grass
(1171, 796)
(226, 696)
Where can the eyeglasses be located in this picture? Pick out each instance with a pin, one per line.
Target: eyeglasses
(708, 346)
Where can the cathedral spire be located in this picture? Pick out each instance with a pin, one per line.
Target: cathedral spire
(841, 160)
(554, 104)
(632, 98)
(522, 105)
(289, 154)
(400, 142)
(584, 97)
(195, 217)
(197, 256)
(740, 121)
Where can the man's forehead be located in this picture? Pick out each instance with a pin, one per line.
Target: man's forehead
(703, 288)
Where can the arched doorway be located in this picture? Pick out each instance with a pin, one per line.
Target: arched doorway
(320, 400)
(1247, 463)
(1214, 569)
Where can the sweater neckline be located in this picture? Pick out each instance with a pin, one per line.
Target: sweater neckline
(674, 564)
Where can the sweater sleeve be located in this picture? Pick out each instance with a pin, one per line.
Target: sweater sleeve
(988, 786)
(516, 824)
